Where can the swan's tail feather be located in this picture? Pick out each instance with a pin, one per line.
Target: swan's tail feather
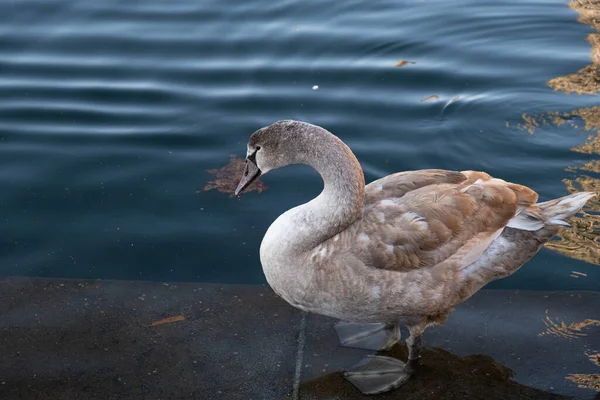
(550, 213)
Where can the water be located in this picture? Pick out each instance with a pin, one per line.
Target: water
(111, 112)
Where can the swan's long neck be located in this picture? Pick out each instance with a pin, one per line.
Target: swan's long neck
(340, 203)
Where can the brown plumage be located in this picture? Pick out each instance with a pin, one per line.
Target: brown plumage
(406, 248)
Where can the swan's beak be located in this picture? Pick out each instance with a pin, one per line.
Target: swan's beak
(251, 173)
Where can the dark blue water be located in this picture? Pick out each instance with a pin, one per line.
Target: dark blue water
(111, 112)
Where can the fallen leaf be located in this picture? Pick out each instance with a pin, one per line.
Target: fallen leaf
(434, 97)
(402, 63)
(168, 320)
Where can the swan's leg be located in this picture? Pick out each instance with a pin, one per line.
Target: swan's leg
(378, 374)
(378, 336)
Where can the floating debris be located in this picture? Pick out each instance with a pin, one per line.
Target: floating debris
(227, 178)
(315, 87)
(168, 320)
(402, 63)
(434, 97)
(570, 331)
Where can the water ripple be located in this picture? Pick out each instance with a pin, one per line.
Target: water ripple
(111, 112)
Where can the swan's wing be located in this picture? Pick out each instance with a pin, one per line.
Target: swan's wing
(398, 184)
(419, 219)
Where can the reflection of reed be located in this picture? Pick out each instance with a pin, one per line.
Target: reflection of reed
(595, 358)
(570, 331)
(584, 81)
(227, 178)
(573, 331)
(587, 79)
(594, 40)
(586, 381)
(589, 12)
(582, 239)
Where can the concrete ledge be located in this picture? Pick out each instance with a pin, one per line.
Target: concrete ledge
(73, 339)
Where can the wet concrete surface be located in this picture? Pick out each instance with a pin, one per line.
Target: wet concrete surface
(76, 339)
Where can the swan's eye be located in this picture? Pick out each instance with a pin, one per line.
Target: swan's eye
(258, 148)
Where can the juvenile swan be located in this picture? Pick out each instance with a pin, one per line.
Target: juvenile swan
(406, 248)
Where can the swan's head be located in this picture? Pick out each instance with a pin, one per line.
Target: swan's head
(275, 146)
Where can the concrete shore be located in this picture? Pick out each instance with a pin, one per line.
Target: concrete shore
(97, 339)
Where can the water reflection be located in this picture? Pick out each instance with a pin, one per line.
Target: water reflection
(582, 240)
(587, 79)
(227, 178)
(586, 381)
(567, 331)
(575, 330)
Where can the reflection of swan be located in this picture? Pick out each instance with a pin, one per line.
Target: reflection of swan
(408, 247)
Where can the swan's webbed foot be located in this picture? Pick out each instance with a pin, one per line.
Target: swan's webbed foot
(378, 336)
(378, 374)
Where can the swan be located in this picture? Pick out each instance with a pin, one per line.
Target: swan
(407, 248)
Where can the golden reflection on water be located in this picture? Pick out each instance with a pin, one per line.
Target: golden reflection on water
(586, 381)
(582, 239)
(594, 357)
(587, 79)
(567, 331)
(572, 331)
